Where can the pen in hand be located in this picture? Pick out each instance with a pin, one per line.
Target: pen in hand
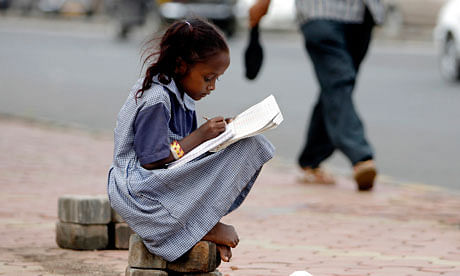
(207, 119)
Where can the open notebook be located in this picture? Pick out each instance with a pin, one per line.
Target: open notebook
(258, 118)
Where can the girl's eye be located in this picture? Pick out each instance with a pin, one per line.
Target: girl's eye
(208, 79)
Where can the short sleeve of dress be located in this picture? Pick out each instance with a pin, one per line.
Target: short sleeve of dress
(151, 141)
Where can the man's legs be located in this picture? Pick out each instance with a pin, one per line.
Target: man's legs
(318, 146)
(358, 37)
(334, 122)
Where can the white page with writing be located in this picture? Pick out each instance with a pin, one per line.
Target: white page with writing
(256, 117)
(255, 120)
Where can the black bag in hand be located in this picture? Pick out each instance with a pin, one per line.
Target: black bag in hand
(253, 55)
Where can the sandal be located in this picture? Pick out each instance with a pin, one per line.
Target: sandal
(364, 174)
(317, 176)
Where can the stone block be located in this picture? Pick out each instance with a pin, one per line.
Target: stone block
(122, 235)
(212, 273)
(131, 271)
(80, 236)
(84, 209)
(140, 257)
(203, 257)
(116, 217)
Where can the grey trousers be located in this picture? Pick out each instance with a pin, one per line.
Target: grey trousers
(336, 50)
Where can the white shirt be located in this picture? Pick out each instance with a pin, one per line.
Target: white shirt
(342, 10)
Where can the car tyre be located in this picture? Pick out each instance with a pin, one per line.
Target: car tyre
(449, 63)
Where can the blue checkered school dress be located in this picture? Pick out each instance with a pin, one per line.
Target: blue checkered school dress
(172, 209)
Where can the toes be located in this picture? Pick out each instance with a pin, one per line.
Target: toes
(229, 254)
(234, 243)
(222, 253)
(224, 258)
(225, 253)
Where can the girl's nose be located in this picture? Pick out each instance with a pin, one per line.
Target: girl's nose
(212, 86)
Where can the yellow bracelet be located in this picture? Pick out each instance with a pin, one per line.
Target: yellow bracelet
(176, 150)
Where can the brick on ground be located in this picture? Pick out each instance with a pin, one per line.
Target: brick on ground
(212, 273)
(202, 258)
(116, 217)
(131, 271)
(84, 209)
(140, 257)
(80, 236)
(122, 234)
(152, 272)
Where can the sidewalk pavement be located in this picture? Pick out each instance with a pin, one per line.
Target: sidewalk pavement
(284, 226)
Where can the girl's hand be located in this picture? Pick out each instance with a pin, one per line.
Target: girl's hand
(212, 128)
(228, 120)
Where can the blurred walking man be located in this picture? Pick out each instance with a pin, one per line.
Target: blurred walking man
(337, 34)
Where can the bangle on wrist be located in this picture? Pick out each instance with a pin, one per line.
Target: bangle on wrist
(176, 150)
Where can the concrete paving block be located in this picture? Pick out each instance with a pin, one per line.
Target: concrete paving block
(131, 271)
(122, 235)
(116, 217)
(212, 273)
(80, 236)
(203, 257)
(84, 209)
(140, 257)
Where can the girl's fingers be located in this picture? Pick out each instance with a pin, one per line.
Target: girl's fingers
(218, 119)
(218, 122)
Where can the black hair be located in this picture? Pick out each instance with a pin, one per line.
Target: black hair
(190, 41)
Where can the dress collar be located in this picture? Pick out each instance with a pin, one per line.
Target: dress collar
(186, 103)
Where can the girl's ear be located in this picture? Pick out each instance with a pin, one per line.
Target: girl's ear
(181, 67)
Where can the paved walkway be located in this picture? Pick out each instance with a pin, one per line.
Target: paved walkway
(284, 226)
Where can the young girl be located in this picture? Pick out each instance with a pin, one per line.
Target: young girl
(173, 209)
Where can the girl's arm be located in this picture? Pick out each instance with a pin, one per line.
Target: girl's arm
(212, 128)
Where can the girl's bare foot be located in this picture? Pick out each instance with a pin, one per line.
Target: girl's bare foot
(223, 234)
(225, 252)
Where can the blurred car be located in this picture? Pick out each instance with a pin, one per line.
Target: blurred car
(447, 40)
(402, 13)
(70, 7)
(220, 12)
(24, 6)
(4, 4)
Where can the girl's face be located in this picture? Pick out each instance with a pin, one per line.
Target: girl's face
(201, 78)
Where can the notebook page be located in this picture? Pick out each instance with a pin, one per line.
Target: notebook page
(256, 117)
(272, 124)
